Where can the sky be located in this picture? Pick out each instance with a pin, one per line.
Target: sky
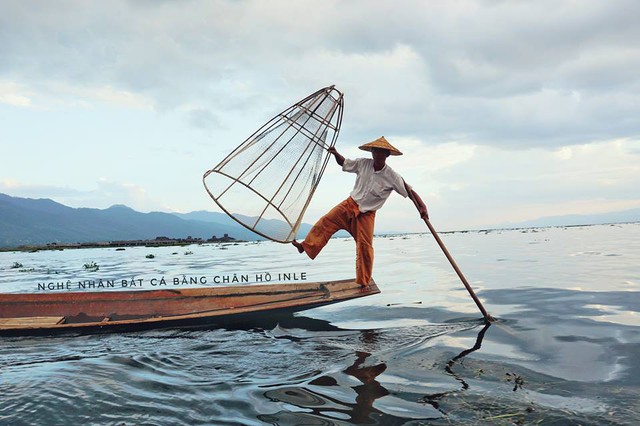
(506, 110)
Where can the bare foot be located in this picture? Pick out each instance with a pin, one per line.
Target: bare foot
(298, 246)
(364, 288)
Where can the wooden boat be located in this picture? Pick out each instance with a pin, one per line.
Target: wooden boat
(51, 313)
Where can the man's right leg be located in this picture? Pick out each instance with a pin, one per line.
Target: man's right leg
(323, 230)
(298, 246)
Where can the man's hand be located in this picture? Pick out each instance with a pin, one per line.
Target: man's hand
(423, 212)
(417, 201)
(339, 158)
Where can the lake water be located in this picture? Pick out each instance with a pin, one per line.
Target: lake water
(565, 349)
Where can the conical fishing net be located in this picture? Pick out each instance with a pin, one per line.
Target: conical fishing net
(267, 182)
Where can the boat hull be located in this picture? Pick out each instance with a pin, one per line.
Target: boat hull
(50, 313)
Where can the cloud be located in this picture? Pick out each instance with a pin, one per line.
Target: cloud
(503, 108)
(108, 95)
(203, 118)
(13, 94)
(500, 184)
(56, 94)
(105, 194)
(26, 190)
(508, 74)
(115, 192)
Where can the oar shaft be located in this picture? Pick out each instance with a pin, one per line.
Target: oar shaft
(486, 315)
(459, 272)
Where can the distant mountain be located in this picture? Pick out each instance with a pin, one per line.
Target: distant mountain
(25, 221)
(624, 216)
(225, 220)
(206, 216)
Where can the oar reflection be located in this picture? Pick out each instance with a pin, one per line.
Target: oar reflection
(433, 399)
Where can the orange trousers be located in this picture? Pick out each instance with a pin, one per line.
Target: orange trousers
(347, 216)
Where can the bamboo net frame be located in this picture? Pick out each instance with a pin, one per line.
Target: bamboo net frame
(267, 182)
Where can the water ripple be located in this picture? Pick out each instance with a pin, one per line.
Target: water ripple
(416, 353)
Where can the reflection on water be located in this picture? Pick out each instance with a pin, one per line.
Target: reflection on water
(331, 409)
(322, 406)
(434, 398)
(327, 409)
(566, 349)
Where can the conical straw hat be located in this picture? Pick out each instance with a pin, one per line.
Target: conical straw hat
(381, 143)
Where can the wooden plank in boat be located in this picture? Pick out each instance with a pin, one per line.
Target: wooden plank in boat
(30, 321)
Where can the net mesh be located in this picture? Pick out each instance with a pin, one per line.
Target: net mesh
(267, 182)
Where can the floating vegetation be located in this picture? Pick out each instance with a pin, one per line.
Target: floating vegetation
(20, 267)
(517, 380)
(188, 252)
(91, 266)
(174, 253)
(120, 249)
(150, 256)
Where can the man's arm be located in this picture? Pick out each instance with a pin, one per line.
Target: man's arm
(339, 158)
(422, 208)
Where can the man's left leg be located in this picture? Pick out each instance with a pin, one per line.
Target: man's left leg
(364, 247)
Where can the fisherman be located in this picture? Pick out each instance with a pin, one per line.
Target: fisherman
(374, 182)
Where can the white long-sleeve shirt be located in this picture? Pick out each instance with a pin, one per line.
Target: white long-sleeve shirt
(372, 188)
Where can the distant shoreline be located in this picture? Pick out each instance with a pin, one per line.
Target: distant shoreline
(157, 242)
(167, 242)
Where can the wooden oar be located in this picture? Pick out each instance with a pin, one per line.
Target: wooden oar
(488, 318)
